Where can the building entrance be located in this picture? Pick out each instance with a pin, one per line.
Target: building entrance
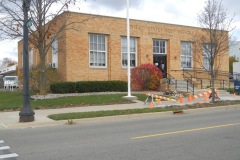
(161, 62)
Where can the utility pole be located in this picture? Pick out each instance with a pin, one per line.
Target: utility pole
(26, 114)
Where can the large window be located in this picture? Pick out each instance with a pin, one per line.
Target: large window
(159, 46)
(206, 56)
(98, 50)
(30, 57)
(186, 54)
(54, 52)
(133, 52)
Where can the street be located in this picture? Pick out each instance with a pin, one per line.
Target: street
(201, 135)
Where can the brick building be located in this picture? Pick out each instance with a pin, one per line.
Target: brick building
(97, 49)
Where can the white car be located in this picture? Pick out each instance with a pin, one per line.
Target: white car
(10, 82)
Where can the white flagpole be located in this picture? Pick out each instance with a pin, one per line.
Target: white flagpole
(128, 50)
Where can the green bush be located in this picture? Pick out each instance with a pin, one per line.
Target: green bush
(89, 86)
(63, 87)
(230, 90)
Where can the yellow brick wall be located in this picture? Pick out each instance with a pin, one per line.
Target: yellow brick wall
(73, 58)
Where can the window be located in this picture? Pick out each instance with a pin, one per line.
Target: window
(133, 52)
(206, 56)
(186, 54)
(98, 51)
(54, 52)
(159, 46)
(30, 57)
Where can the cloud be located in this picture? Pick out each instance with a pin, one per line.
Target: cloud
(182, 12)
(8, 49)
(232, 6)
(116, 5)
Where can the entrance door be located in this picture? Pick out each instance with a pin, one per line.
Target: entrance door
(161, 62)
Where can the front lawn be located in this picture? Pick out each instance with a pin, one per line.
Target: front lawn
(14, 100)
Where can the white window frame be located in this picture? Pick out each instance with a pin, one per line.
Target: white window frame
(97, 51)
(55, 52)
(159, 46)
(186, 53)
(206, 56)
(133, 52)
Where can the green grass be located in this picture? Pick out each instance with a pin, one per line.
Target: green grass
(80, 101)
(10, 100)
(141, 97)
(80, 115)
(14, 100)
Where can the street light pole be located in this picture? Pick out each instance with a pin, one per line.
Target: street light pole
(26, 114)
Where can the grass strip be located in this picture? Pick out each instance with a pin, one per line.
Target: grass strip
(81, 115)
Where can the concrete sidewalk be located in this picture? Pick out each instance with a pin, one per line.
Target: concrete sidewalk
(10, 120)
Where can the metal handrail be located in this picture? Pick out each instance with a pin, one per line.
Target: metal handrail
(169, 78)
(219, 75)
(188, 77)
(222, 76)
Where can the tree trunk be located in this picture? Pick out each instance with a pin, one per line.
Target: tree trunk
(213, 86)
(42, 76)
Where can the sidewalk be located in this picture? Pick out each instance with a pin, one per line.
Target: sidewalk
(9, 120)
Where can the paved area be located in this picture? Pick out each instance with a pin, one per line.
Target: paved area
(10, 120)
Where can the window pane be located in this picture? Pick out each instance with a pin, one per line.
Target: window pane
(206, 56)
(95, 39)
(132, 59)
(189, 62)
(183, 61)
(156, 50)
(124, 59)
(91, 38)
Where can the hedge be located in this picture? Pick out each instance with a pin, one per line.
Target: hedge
(88, 86)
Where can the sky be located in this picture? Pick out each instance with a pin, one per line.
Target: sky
(182, 12)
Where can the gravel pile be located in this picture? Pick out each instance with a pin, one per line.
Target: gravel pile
(52, 96)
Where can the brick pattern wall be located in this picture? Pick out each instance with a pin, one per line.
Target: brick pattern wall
(73, 59)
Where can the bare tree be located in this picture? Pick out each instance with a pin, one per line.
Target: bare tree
(7, 60)
(48, 19)
(213, 44)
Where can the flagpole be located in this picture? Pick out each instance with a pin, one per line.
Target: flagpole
(129, 96)
(128, 51)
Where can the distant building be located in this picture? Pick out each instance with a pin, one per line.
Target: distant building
(234, 50)
(7, 69)
(98, 49)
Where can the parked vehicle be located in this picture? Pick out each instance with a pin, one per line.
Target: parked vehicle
(10, 82)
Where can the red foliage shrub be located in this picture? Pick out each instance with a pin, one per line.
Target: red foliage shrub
(146, 77)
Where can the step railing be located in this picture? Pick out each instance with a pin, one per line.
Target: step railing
(172, 81)
(189, 78)
(221, 77)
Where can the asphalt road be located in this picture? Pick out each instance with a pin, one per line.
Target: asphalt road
(5, 152)
(211, 135)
